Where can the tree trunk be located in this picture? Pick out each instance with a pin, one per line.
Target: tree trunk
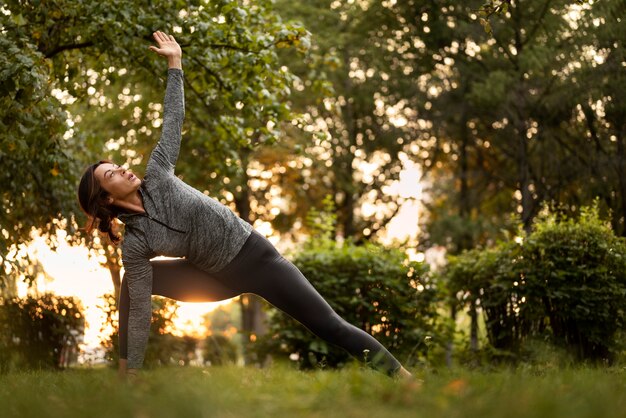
(473, 328)
(621, 177)
(253, 325)
(8, 287)
(112, 264)
(524, 176)
(520, 124)
(116, 279)
(344, 173)
(253, 317)
(450, 344)
(465, 240)
(347, 208)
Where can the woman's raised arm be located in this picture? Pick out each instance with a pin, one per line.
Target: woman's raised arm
(164, 156)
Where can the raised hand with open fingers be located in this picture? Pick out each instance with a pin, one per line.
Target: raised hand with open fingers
(167, 47)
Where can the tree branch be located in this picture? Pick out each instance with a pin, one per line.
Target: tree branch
(213, 74)
(236, 48)
(506, 52)
(542, 15)
(62, 48)
(383, 223)
(589, 116)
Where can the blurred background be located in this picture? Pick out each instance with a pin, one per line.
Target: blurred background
(450, 175)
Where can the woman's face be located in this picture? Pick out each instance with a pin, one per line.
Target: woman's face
(119, 182)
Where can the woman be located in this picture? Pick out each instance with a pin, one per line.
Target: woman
(221, 255)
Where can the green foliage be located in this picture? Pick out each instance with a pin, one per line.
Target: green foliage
(38, 173)
(344, 85)
(221, 347)
(508, 117)
(89, 53)
(489, 277)
(219, 350)
(566, 281)
(224, 319)
(372, 287)
(578, 269)
(40, 332)
(501, 7)
(322, 224)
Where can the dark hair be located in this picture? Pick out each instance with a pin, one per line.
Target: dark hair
(92, 199)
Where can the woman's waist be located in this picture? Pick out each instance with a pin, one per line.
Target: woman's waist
(255, 252)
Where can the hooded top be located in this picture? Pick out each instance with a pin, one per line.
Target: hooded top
(179, 221)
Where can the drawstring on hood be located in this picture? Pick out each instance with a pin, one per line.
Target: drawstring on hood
(155, 220)
(146, 214)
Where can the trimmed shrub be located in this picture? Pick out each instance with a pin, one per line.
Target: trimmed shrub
(40, 333)
(576, 270)
(565, 282)
(219, 350)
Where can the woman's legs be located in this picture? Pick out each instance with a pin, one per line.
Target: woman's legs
(284, 286)
(176, 279)
(260, 269)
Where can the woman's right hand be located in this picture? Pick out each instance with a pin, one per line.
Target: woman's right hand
(125, 374)
(121, 371)
(169, 48)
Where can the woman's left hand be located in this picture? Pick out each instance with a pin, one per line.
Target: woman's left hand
(168, 47)
(133, 378)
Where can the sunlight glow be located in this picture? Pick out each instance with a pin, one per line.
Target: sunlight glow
(75, 271)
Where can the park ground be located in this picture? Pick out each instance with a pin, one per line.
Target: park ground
(280, 391)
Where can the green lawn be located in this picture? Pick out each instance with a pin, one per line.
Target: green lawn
(279, 391)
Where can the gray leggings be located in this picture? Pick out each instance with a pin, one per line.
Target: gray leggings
(260, 269)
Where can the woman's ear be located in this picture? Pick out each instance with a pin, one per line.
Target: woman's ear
(110, 200)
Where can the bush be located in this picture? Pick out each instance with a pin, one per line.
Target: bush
(577, 271)
(372, 287)
(491, 280)
(219, 350)
(565, 282)
(40, 333)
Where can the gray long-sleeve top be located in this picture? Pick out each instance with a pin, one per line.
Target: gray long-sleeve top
(179, 221)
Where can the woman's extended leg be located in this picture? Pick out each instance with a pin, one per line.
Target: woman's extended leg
(259, 268)
(177, 279)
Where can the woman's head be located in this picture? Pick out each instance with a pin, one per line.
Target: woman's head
(101, 186)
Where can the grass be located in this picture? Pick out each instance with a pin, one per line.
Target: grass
(283, 392)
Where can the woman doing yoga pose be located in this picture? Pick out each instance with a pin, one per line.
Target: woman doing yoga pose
(220, 255)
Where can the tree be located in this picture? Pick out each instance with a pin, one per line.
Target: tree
(339, 95)
(235, 86)
(38, 164)
(484, 102)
